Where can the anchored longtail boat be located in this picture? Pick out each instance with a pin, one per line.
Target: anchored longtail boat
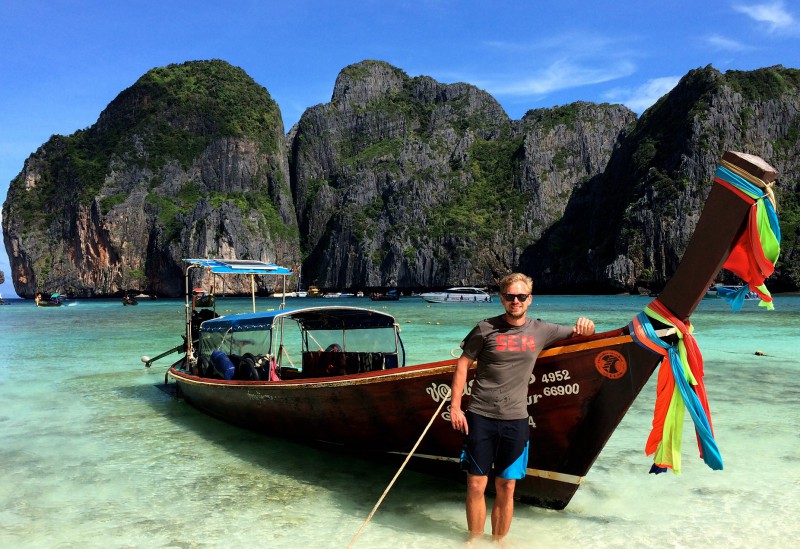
(337, 375)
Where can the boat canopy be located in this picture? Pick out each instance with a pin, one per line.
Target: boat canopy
(313, 318)
(239, 266)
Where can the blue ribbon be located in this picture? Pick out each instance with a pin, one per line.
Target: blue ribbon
(711, 454)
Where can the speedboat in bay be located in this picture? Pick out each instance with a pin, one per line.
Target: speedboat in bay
(458, 294)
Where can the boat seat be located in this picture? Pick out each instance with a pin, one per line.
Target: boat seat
(311, 364)
(390, 361)
(323, 363)
(287, 372)
(356, 363)
(333, 363)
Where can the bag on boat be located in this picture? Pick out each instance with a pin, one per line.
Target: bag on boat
(223, 366)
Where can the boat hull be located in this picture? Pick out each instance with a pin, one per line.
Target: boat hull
(573, 409)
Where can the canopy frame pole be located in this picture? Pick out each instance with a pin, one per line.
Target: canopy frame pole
(253, 290)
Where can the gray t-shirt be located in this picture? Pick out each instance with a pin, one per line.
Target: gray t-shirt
(506, 355)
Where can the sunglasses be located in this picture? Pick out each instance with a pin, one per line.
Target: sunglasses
(520, 297)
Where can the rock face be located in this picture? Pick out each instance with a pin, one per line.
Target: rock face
(628, 227)
(188, 162)
(408, 182)
(397, 181)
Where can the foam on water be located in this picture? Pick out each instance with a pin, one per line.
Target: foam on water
(95, 455)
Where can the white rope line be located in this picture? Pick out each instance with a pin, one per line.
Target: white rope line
(408, 457)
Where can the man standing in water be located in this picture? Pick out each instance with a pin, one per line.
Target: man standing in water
(496, 422)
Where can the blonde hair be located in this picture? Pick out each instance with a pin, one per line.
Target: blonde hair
(510, 279)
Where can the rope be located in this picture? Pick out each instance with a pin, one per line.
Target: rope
(283, 351)
(408, 457)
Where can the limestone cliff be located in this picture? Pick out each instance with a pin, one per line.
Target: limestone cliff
(397, 181)
(190, 161)
(407, 182)
(631, 224)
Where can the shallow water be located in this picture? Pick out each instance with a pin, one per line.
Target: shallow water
(95, 455)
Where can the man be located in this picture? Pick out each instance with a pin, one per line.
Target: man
(496, 422)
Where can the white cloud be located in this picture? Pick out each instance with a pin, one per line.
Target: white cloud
(585, 43)
(645, 95)
(726, 44)
(562, 61)
(774, 14)
(560, 75)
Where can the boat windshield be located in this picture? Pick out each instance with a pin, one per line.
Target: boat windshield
(234, 343)
(374, 340)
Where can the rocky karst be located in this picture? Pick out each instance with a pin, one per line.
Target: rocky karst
(397, 181)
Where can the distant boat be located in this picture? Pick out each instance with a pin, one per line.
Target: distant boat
(338, 294)
(55, 300)
(313, 291)
(459, 294)
(391, 295)
(284, 294)
(130, 297)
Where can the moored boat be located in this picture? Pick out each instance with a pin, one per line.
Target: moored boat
(283, 294)
(458, 294)
(339, 376)
(391, 295)
(313, 291)
(55, 300)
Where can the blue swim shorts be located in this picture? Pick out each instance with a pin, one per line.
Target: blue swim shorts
(498, 443)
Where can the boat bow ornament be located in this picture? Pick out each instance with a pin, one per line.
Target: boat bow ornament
(680, 384)
(757, 249)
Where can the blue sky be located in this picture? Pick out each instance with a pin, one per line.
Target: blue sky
(62, 62)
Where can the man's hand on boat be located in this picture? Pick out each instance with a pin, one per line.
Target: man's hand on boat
(583, 327)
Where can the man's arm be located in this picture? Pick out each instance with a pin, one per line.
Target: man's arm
(457, 418)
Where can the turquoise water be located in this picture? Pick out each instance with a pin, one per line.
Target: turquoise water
(95, 455)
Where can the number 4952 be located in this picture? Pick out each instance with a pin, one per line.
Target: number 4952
(552, 377)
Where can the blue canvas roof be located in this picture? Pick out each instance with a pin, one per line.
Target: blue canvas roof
(240, 266)
(311, 318)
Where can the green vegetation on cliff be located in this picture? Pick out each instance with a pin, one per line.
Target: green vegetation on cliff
(484, 208)
(764, 84)
(170, 115)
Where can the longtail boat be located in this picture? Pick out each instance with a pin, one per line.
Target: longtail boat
(337, 375)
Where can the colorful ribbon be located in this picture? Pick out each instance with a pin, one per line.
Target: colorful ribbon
(680, 387)
(757, 248)
(680, 377)
(733, 296)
